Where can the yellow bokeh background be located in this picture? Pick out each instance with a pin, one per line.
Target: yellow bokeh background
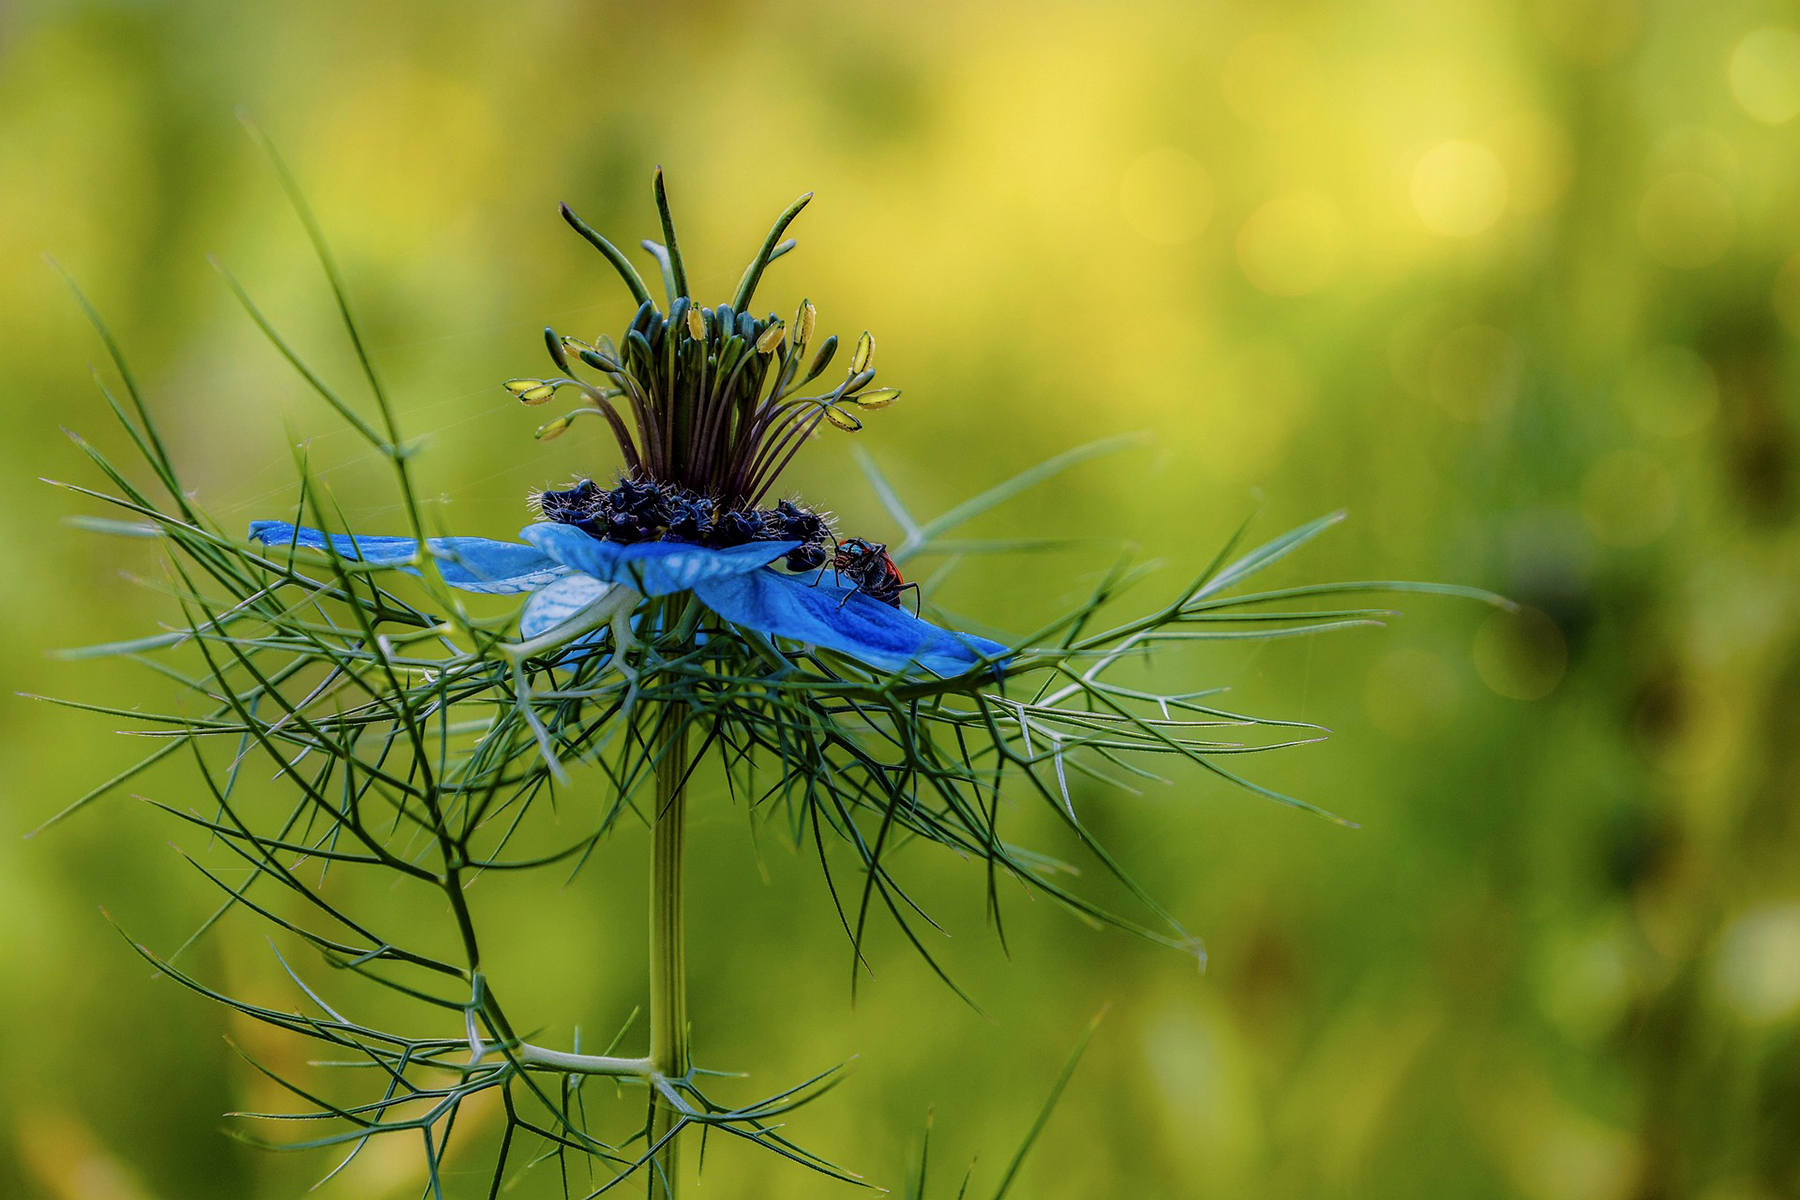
(1516, 282)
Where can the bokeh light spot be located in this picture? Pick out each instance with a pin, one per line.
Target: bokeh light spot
(1629, 498)
(1291, 245)
(1271, 81)
(1474, 371)
(1166, 196)
(1459, 188)
(1687, 220)
(1757, 972)
(1765, 75)
(1669, 391)
(1200, 1091)
(1583, 983)
(1411, 693)
(1521, 654)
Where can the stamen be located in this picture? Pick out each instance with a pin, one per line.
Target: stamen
(707, 396)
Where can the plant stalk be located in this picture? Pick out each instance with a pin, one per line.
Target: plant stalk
(670, 1054)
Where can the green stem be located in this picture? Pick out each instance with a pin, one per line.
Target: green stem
(669, 1050)
(562, 1062)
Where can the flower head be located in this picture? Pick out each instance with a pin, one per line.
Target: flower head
(568, 571)
(703, 405)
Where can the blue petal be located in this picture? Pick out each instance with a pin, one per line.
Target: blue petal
(472, 564)
(653, 568)
(845, 620)
(552, 605)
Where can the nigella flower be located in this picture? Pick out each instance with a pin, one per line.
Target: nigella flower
(703, 404)
(570, 572)
(677, 613)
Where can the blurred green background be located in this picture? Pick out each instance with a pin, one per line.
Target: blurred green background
(1512, 282)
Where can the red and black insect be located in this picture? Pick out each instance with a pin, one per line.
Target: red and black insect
(870, 571)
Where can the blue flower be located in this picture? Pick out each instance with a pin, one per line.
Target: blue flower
(566, 570)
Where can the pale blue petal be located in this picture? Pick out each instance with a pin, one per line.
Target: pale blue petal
(653, 568)
(550, 606)
(471, 564)
(841, 619)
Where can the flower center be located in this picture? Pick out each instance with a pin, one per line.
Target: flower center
(645, 510)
